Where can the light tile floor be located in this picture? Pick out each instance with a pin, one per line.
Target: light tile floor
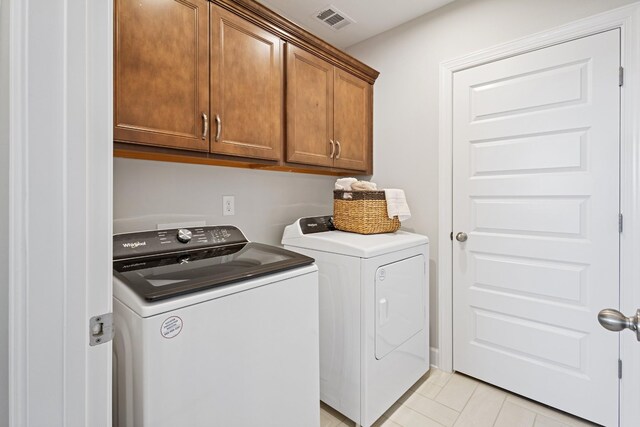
(441, 399)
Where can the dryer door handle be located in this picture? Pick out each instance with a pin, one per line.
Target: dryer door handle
(383, 311)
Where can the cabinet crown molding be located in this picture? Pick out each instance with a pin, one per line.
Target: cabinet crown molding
(294, 34)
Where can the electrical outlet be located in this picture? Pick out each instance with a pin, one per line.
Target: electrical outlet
(228, 205)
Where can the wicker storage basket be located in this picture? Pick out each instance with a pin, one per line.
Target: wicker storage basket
(363, 212)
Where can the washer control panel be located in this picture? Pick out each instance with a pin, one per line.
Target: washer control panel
(184, 235)
(144, 243)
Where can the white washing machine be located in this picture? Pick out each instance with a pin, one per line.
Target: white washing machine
(213, 330)
(374, 308)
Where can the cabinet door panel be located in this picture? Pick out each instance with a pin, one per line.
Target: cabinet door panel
(246, 88)
(309, 108)
(162, 72)
(352, 108)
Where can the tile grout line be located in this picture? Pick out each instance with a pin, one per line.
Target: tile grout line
(447, 406)
(424, 415)
(440, 386)
(434, 401)
(553, 414)
(465, 404)
(449, 378)
(444, 404)
(436, 421)
(504, 399)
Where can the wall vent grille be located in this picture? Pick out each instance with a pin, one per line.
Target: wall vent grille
(332, 17)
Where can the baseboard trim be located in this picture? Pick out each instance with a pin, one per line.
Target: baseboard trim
(434, 357)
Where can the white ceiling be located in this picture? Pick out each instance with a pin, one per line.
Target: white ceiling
(371, 16)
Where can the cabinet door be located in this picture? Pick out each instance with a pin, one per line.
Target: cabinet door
(246, 88)
(162, 72)
(352, 127)
(309, 108)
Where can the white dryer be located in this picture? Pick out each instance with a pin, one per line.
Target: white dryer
(374, 308)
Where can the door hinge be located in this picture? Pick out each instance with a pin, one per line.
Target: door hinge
(620, 76)
(101, 329)
(619, 369)
(620, 223)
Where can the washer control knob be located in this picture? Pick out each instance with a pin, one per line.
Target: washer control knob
(184, 235)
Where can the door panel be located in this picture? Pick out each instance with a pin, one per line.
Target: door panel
(162, 72)
(399, 303)
(352, 104)
(536, 188)
(528, 154)
(309, 108)
(246, 88)
(553, 87)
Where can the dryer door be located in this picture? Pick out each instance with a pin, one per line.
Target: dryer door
(400, 303)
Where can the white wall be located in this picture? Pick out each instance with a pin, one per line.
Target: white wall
(147, 193)
(406, 93)
(4, 209)
(405, 133)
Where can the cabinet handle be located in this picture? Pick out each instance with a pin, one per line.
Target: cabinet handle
(218, 127)
(333, 148)
(339, 149)
(205, 121)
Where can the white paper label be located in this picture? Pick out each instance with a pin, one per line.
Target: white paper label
(171, 327)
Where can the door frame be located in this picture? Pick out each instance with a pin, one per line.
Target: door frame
(60, 210)
(627, 19)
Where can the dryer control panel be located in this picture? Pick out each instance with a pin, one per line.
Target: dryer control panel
(316, 224)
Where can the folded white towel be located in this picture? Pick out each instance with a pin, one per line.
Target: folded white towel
(345, 183)
(397, 204)
(364, 186)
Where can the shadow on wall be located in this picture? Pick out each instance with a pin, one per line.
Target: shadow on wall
(148, 193)
(4, 211)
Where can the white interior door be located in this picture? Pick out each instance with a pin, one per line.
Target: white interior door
(536, 190)
(60, 211)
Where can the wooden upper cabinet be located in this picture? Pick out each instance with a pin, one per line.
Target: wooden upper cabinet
(352, 108)
(309, 108)
(214, 77)
(161, 87)
(246, 88)
(328, 114)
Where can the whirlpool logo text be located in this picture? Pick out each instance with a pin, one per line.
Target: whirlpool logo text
(134, 245)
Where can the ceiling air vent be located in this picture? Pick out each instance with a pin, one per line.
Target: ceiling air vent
(332, 17)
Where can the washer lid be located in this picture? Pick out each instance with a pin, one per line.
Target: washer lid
(352, 244)
(164, 276)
